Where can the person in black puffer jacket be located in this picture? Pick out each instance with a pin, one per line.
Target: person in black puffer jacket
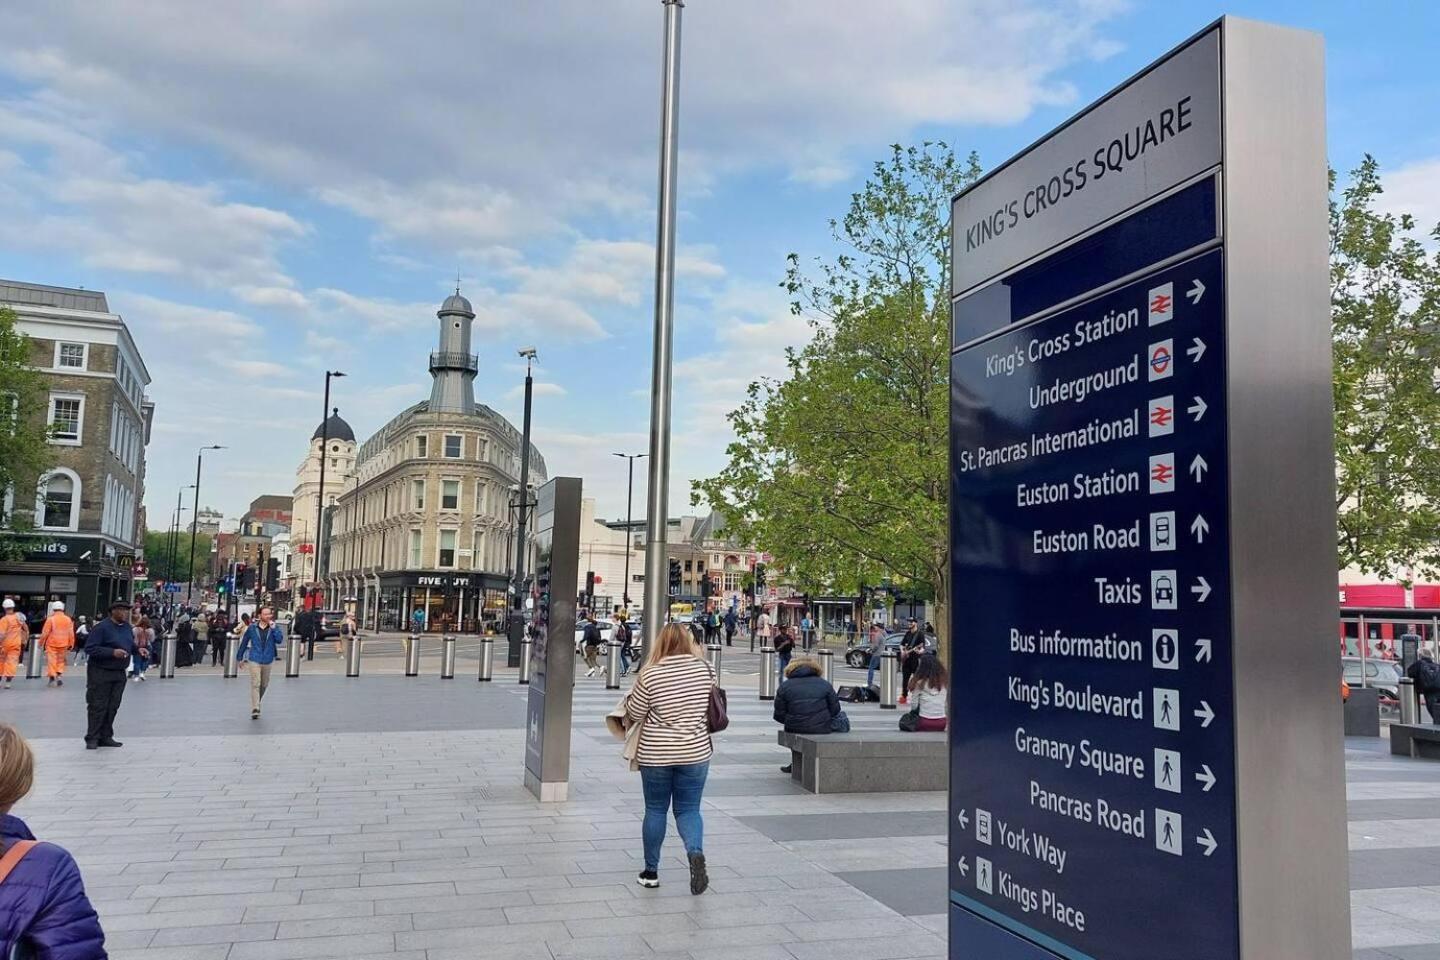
(807, 703)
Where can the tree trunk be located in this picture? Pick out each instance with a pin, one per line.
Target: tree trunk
(942, 606)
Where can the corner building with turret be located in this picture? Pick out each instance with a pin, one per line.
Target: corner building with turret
(428, 518)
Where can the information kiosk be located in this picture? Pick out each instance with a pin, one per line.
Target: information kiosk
(1146, 756)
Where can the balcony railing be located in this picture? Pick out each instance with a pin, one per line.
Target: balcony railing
(450, 360)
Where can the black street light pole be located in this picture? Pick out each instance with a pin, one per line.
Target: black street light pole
(320, 497)
(195, 517)
(629, 519)
(172, 559)
(516, 631)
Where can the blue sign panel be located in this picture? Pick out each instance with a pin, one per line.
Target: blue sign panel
(1092, 795)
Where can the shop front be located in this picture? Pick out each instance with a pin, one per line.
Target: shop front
(448, 602)
(82, 572)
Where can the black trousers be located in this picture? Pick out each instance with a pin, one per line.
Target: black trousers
(104, 686)
(1432, 704)
(729, 637)
(907, 670)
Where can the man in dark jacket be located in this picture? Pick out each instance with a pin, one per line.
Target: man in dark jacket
(807, 703)
(1426, 674)
(109, 647)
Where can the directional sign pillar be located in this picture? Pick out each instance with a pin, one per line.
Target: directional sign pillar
(1148, 751)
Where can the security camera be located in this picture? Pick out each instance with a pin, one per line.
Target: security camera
(529, 353)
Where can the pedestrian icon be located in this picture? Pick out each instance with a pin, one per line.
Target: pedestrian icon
(1162, 473)
(1162, 590)
(1169, 832)
(1162, 416)
(1162, 530)
(982, 826)
(1161, 304)
(1165, 649)
(983, 881)
(1167, 770)
(1167, 709)
(1162, 359)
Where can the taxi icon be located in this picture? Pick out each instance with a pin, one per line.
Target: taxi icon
(1164, 590)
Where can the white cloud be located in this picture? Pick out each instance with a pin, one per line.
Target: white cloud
(144, 314)
(539, 389)
(1414, 189)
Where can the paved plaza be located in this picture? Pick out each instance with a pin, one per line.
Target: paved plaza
(384, 817)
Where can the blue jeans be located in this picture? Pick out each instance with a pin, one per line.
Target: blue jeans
(625, 658)
(870, 673)
(684, 785)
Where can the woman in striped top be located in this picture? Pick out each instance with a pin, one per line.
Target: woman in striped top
(671, 698)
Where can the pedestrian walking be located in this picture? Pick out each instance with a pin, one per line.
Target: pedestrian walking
(350, 629)
(1426, 674)
(219, 632)
(730, 625)
(671, 700)
(44, 912)
(912, 645)
(806, 702)
(56, 639)
(590, 639)
(13, 634)
(109, 647)
(140, 659)
(807, 632)
(82, 631)
(928, 694)
(417, 621)
(258, 649)
(623, 637)
(877, 647)
(762, 626)
(784, 646)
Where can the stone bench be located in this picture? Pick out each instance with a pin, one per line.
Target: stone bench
(1418, 740)
(871, 762)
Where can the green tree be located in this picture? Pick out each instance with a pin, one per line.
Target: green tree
(162, 565)
(23, 450)
(1385, 311)
(839, 469)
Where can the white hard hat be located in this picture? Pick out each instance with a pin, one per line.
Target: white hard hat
(8, 604)
(58, 605)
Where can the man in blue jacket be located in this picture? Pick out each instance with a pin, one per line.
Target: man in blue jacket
(109, 646)
(259, 647)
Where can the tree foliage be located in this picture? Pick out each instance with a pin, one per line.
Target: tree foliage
(164, 564)
(839, 469)
(23, 450)
(1385, 311)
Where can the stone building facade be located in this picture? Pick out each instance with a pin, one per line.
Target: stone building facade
(87, 507)
(428, 519)
(339, 449)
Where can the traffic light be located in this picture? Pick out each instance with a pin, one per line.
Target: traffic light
(590, 589)
(707, 589)
(220, 586)
(759, 585)
(272, 574)
(244, 578)
(674, 578)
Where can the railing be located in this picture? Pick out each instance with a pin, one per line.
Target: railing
(454, 360)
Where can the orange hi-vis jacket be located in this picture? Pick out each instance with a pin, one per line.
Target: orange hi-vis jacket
(12, 641)
(58, 634)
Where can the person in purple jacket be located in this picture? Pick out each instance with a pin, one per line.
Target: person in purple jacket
(43, 907)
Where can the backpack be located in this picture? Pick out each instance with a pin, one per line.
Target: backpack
(1429, 673)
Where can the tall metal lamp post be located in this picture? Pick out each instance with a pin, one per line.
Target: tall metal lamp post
(195, 521)
(630, 459)
(175, 533)
(515, 629)
(320, 496)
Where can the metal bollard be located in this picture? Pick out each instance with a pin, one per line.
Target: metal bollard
(33, 656)
(1409, 702)
(612, 665)
(487, 659)
(526, 646)
(232, 662)
(294, 646)
(352, 656)
(447, 657)
(827, 664)
(412, 656)
(167, 658)
(889, 679)
(767, 671)
(713, 653)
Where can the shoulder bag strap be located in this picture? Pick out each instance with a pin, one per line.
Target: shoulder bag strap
(14, 855)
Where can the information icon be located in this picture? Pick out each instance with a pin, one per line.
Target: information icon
(1165, 649)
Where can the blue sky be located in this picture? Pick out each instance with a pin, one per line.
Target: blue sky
(289, 185)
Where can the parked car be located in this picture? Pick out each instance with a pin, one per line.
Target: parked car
(330, 621)
(857, 652)
(1383, 675)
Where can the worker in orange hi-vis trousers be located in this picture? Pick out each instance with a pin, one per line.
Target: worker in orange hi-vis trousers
(57, 637)
(13, 634)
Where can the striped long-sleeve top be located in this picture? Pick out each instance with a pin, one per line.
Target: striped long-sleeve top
(672, 697)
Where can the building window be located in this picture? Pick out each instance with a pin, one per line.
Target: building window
(70, 356)
(453, 446)
(479, 497)
(447, 549)
(334, 463)
(482, 449)
(66, 418)
(449, 494)
(689, 565)
(479, 561)
(417, 494)
(415, 559)
(57, 501)
(420, 446)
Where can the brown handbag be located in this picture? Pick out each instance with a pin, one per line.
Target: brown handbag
(717, 715)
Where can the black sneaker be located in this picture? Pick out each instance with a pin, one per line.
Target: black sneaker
(648, 878)
(788, 768)
(91, 745)
(111, 743)
(699, 879)
(254, 714)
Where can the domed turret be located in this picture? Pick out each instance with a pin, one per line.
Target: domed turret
(453, 365)
(334, 428)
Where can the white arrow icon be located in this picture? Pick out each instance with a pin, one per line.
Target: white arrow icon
(1201, 589)
(1199, 527)
(1197, 409)
(1198, 350)
(1205, 714)
(1206, 777)
(1198, 466)
(1207, 840)
(963, 867)
(964, 820)
(1203, 651)
(1196, 291)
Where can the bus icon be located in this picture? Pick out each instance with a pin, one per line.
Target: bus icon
(1162, 530)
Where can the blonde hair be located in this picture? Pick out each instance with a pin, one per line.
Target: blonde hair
(674, 641)
(799, 662)
(17, 767)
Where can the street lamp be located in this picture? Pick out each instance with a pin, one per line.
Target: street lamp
(175, 533)
(629, 534)
(195, 517)
(516, 630)
(324, 442)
